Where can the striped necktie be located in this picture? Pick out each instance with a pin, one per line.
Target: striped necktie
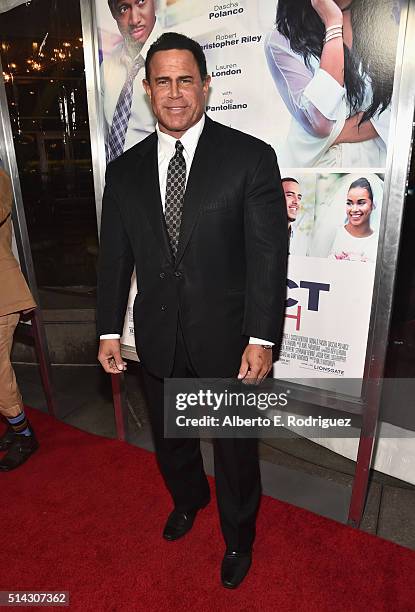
(118, 131)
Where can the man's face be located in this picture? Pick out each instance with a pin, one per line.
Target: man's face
(176, 90)
(292, 198)
(135, 19)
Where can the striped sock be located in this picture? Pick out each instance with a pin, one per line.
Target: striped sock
(20, 425)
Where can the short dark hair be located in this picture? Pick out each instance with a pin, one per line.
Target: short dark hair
(363, 183)
(112, 5)
(173, 40)
(289, 179)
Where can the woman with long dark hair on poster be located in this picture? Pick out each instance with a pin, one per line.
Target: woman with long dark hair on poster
(333, 64)
(356, 241)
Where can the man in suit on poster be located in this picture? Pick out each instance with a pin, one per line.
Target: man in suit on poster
(199, 209)
(127, 114)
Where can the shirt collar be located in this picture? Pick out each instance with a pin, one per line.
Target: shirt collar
(189, 140)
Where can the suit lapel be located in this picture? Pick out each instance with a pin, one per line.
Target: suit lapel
(149, 190)
(198, 185)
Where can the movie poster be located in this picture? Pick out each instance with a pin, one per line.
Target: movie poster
(271, 78)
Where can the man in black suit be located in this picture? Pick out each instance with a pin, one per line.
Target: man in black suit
(199, 209)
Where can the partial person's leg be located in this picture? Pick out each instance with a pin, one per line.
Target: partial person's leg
(19, 438)
(11, 405)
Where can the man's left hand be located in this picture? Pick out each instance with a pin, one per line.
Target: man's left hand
(256, 362)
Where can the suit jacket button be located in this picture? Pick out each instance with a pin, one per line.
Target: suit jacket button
(178, 274)
(163, 307)
(162, 274)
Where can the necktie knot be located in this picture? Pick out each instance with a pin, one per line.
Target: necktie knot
(179, 147)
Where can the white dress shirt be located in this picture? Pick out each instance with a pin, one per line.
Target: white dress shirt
(165, 151)
(167, 148)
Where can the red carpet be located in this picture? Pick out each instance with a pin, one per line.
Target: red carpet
(85, 515)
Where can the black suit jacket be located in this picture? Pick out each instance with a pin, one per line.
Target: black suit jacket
(229, 278)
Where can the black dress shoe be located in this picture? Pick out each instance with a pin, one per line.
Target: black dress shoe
(178, 524)
(235, 566)
(19, 451)
(7, 439)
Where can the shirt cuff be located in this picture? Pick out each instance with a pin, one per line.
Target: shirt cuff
(259, 341)
(324, 93)
(110, 337)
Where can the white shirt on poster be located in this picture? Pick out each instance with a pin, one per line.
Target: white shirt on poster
(352, 248)
(319, 108)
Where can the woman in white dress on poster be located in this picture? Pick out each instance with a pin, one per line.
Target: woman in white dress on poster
(333, 64)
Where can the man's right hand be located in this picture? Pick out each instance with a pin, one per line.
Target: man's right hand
(109, 356)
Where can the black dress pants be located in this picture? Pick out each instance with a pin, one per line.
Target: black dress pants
(238, 485)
